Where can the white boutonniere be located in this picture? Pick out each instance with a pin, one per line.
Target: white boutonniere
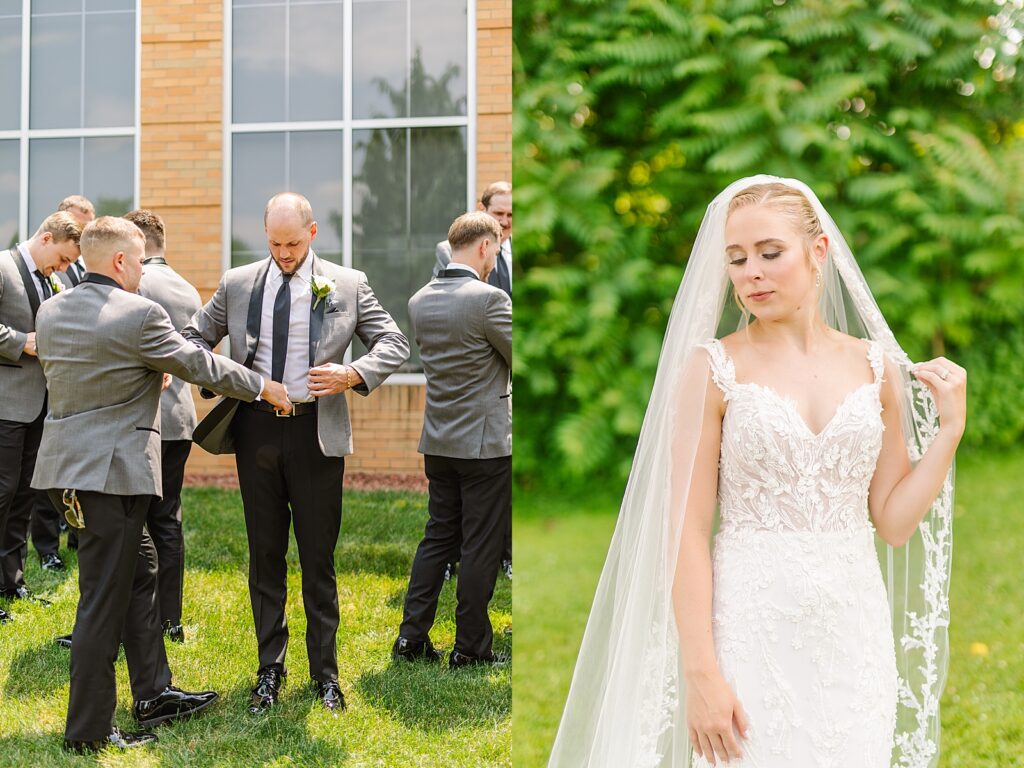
(56, 284)
(322, 287)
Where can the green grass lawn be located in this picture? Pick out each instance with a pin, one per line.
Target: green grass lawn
(399, 714)
(561, 541)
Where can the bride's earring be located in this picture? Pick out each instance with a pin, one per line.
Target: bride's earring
(817, 279)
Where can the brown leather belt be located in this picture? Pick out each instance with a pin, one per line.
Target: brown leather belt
(298, 409)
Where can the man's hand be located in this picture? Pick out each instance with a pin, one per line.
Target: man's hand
(275, 393)
(331, 379)
(30, 345)
(166, 382)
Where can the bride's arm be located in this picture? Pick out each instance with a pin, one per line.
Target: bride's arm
(711, 705)
(900, 496)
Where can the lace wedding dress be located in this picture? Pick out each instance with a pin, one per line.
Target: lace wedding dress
(800, 615)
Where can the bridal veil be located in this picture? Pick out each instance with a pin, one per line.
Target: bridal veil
(626, 703)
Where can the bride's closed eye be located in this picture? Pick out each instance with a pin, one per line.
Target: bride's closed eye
(740, 261)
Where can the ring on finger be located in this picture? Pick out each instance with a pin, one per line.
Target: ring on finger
(944, 375)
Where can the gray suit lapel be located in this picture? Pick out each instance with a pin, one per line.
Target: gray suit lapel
(255, 317)
(27, 279)
(316, 315)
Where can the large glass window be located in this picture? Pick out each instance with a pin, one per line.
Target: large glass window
(72, 128)
(372, 123)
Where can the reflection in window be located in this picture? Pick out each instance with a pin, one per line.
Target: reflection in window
(314, 168)
(102, 168)
(410, 61)
(408, 185)
(287, 61)
(10, 64)
(82, 68)
(414, 75)
(9, 189)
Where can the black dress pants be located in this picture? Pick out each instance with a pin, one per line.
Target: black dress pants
(117, 603)
(19, 444)
(164, 524)
(284, 478)
(469, 499)
(45, 526)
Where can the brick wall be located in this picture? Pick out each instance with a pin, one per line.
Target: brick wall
(181, 176)
(493, 91)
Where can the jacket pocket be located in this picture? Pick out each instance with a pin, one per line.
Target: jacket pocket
(11, 365)
(147, 429)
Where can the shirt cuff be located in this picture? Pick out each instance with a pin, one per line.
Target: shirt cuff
(263, 385)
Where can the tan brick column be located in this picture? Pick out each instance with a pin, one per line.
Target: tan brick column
(182, 92)
(493, 92)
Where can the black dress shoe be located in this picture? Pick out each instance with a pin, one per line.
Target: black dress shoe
(268, 687)
(117, 739)
(412, 651)
(457, 660)
(4, 616)
(331, 695)
(26, 594)
(64, 641)
(23, 593)
(172, 704)
(174, 632)
(52, 562)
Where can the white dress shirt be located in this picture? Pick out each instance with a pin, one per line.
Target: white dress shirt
(32, 269)
(296, 363)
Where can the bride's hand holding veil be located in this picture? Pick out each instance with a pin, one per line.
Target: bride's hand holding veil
(948, 384)
(902, 495)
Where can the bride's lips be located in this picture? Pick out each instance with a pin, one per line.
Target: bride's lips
(760, 295)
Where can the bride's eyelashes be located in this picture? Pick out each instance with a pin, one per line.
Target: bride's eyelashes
(739, 262)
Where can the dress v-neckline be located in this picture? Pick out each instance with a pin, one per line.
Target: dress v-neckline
(790, 402)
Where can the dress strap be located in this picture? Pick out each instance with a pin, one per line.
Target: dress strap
(722, 370)
(876, 356)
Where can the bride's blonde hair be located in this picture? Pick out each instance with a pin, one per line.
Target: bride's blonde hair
(791, 203)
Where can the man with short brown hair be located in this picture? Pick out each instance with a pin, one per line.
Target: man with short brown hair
(463, 327)
(27, 280)
(496, 201)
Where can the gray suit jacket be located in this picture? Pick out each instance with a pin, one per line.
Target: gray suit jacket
(443, 255)
(103, 351)
(177, 296)
(350, 310)
(22, 384)
(463, 328)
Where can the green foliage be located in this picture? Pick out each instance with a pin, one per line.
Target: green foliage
(630, 115)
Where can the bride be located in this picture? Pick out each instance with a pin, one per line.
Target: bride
(799, 639)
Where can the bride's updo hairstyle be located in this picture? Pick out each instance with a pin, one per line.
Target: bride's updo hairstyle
(791, 203)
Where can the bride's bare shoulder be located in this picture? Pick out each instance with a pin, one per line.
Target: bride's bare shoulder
(735, 342)
(850, 345)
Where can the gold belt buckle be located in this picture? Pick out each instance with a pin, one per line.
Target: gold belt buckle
(73, 514)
